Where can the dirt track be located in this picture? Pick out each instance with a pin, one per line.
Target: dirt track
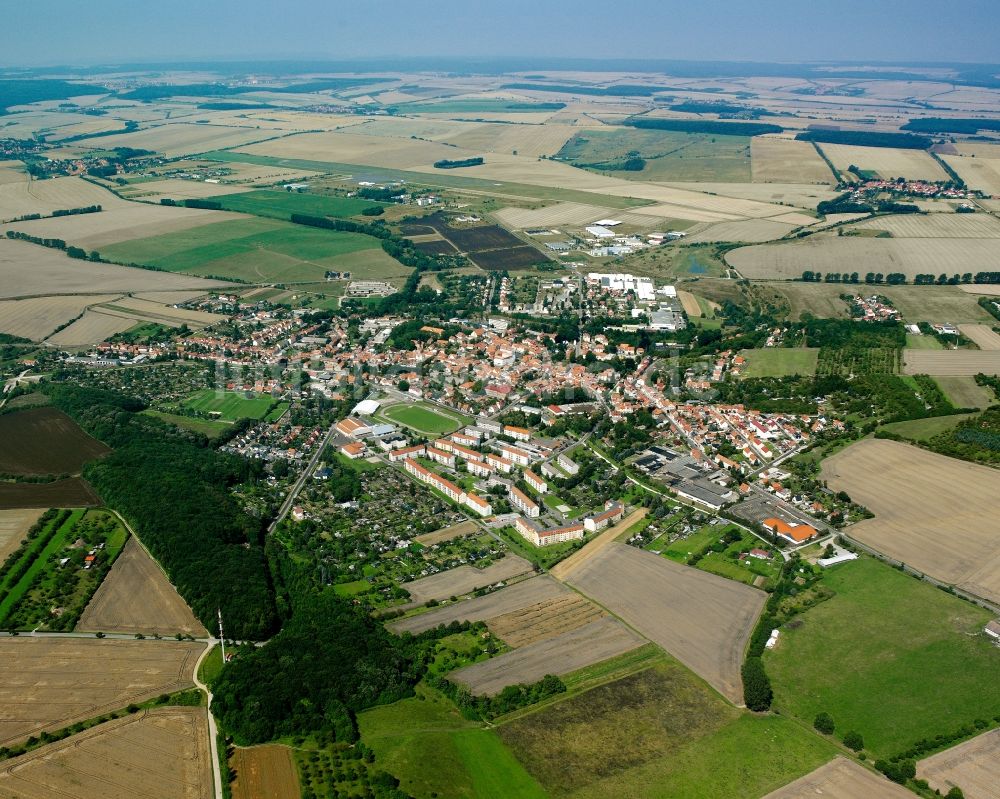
(974, 766)
(841, 779)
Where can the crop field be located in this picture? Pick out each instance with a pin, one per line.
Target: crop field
(974, 766)
(965, 392)
(45, 441)
(745, 230)
(888, 162)
(544, 620)
(154, 311)
(229, 405)
(53, 682)
(282, 204)
(932, 512)
(152, 191)
(551, 215)
(45, 196)
(424, 418)
(888, 634)
(156, 754)
(464, 579)
(523, 257)
(13, 526)
(776, 160)
(702, 620)
(598, 640)
(826, 253)
(798, 195)
(264, 771)
(658, 733)
(529, 140)
(36, 318)
(951, 362)
(113, 608)
(842, 779)
(73, 492)
(183, 138)
(256, 250)
(447, 533)
(983, 335)
(30, 271)
(780, 361)
(978, 173)
(947, 226)
(94, 326)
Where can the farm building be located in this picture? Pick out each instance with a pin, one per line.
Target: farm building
(794, 533)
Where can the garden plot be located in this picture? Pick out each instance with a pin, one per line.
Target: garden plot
(456, 582)
(974, 766)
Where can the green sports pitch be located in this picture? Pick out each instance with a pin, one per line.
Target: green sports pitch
(425, 418)
(233, 405)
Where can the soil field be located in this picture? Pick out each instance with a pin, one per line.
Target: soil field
(51, 683)
(565, 569)
(508, 600)
(456, 582)
(38, 317)
(264, 772)
(45, 441)
(701, 619)
(974, 766)
(447, 533)
(947, 226)
(748, 230)
(825, 253)
(552, 215)
(775, 160)
(73, 492)
(523, 257)
(934, 513)
(437, 247)
(30, 271)
(888, 162)
(137, 597)
(157, 754)
(591, 643)
(474, 239)
(951, 362)
(544, 620)
(842, 779)
(13, 526)
(983, 335)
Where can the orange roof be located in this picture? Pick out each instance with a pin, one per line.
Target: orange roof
(797, 532)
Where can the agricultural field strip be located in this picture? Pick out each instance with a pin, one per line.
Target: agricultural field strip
(265, 772)
(544, 620)
(983, 336)
(841, 779)
(94, 326)
(565, 569)
(447, 533)
(951, 362)
(973, 765)
(38, 317)
(13, 526)
(774, 160)
(456, 582)
(949, 226)
(888, 162)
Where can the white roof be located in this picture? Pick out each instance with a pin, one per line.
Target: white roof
(366, 407)
(608, 222)
(599, 231)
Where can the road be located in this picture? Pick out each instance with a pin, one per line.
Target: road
(213, 730)
(290, 499)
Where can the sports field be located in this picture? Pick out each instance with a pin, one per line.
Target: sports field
(886, 635)
(780, 361)
(229, 405)
(425, 418)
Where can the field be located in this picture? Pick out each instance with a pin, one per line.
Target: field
(702, 620)
(23, 197)
(965, 392)
(583, 646)
(156, 754)
(456, 582)
(551, 215)
(951, 362)
(182, 138)
(53, 682)
(842, 779)
(45, 440)
(73, 492)
(978, 173)
(92, 327)
(113, 608)
(659, 733)
(447, 533)
(36, 318)
(983, 335)
(260, 250)
(776, 160)
(424, 418)
(974, 766)
(744, 230)
(889, 635)
(229, 405)
(934, 226)
(923, 429)
(780, 361)
(30, 271)
(13, 526)
(932, 512)
(888, 162)
(530, 140)
(264, 771)
(282, 204)
(826, 253)
(543, 620)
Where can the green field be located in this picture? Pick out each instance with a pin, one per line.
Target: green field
(425, 742)
(920, 342)
(232, 405)
(924, 429)
(425, 418)
(964, 392)
(261, 250)
(282, 204)
(780, 361)
(889, 656)
(210, 428)
(669, 155)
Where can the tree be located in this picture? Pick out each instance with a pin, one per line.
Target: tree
(954, 793)
(757, 691)
(853, 740)
(403, 385)
(824, 723)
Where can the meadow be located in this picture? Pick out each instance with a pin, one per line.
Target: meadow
(780, 361)
(282, 204)
(233, 405)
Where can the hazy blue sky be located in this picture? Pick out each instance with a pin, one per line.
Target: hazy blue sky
(113, 31)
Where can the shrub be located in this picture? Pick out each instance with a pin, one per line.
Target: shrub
(824, 723)
(853, 740)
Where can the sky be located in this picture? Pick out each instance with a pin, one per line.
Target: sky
(81, 32)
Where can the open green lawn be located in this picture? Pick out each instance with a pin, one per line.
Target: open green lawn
(280, 204)
(425, 742)
(261, 250)
(924, 429)
(889, 656)
(207, 427)
(780, 361)
(231, 405)
(915, 341)
(964, 392)
(425, 418)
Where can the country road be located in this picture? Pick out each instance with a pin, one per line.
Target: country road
(213, 730)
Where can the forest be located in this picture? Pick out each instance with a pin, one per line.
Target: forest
(866, 138)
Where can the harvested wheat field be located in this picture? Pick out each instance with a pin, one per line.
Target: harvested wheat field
(93, 327)
(982, 335)
(182, 138)
(137, 597)
(934, 513)
(951, 362)
(447, 533)
(507, 600)
(14, 524)
(947, 226)
(775, 160)
(163, 313)
(841, 779)
(888, 162)
(978, 173)
(690, 304)
(531, 140)
(800, 195)
(50, 683)
(45, 196)
(974, 766)
(156, 754)
(264, 772)
(464, 579)
(37, 317)
(702, 620)
(28, 270)
(552, 215)
(748, 230)
(177, 188)
(601, 639)
(544, 620)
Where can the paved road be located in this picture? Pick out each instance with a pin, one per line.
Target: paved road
(290, 499)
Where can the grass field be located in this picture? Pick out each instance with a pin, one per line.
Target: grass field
(425, 742)
(924, 429)
(260, 250)
(231, 405)
(282, 204)
(780, 361)
(425, 418)
(207, 427)
(888, 636)
(964, 391)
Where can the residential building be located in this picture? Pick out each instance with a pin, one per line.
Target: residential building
(535, 482)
